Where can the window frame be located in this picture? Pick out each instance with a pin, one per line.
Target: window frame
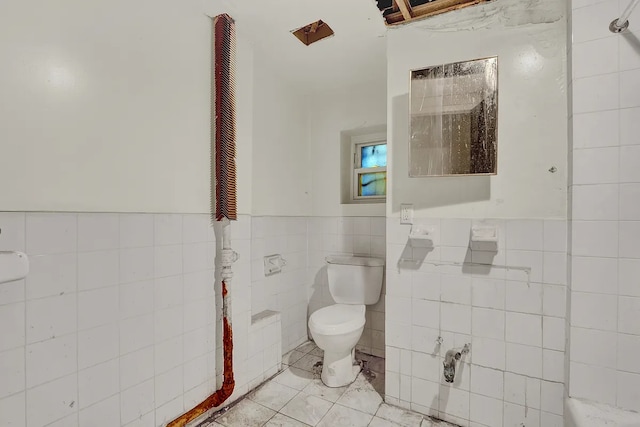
(356, 166)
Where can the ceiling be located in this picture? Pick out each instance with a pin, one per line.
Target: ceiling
(402, 11)
(355, 54)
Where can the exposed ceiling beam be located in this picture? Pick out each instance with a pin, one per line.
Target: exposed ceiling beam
(405, 8)
(430, 9)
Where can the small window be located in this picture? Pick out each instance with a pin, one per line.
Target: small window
(369, 179)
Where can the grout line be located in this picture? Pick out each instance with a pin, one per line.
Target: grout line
(182, 362)
(617, 283)
(117, 322)
(25, 325)
(77, 218)
(153, 327)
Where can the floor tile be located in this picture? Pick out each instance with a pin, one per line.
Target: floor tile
(341, 416)
(317, 388)
(246, 414)
(399, 416)
(292, 357)
(428, 422)
(273, 395)
(307, 362)
(317, 352)
(306, 408)
(306, 347)
(379, 422)
(280, 420)
(294, 378)
(304, 401)
(361, 396)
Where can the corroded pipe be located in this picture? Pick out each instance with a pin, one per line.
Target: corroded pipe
(223, 201)
(217, 398)
(228, 384)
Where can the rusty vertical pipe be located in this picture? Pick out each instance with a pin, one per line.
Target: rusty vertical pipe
(228, 384)
(223, 200)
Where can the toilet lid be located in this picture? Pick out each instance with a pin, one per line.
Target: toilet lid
(337, 319)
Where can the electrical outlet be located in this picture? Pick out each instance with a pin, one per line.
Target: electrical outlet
(406, 214)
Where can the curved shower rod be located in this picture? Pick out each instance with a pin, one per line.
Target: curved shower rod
(622, 23)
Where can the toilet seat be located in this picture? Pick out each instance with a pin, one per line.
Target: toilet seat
(337, 319)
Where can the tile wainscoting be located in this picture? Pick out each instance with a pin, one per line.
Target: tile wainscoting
(301, 288)
(509, 305)
(116, 315)
(115, 320)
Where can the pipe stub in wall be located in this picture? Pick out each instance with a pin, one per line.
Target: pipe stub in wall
(614, 27)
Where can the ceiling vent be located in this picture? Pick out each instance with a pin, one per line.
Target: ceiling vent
(313, 32)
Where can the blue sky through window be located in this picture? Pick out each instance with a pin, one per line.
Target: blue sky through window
(374, 156)
(373, 184)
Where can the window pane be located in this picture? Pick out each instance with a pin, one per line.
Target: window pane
(374, 156)
(372, 184)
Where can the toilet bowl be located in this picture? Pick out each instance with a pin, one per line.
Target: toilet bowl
(353, 282)
(336, 330)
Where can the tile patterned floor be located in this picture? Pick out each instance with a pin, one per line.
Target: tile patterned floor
(296, 397)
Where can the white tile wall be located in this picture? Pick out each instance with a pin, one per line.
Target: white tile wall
(115, 321)
(265, 347)
(348, 235)
(509, 305)
(605, 208)
(285, 292)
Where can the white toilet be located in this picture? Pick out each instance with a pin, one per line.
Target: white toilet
(353, 282)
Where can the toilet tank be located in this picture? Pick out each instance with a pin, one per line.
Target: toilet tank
(355, 280)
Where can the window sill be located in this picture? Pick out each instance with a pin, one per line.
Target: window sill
(365, 202)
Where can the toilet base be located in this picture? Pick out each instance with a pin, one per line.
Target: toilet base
(339, 369)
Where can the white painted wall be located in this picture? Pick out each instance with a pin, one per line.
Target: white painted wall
(244, 121)
(510, 305)
(359, 109)
(106, 107)
(281, 175)
(529, 40)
